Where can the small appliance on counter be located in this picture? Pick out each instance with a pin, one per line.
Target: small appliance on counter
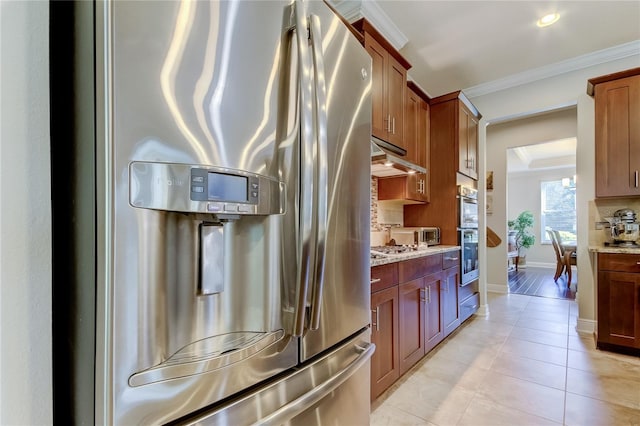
(417, 236)
(625, 230)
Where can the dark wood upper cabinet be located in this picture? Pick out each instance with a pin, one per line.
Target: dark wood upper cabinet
(617, 134)
(389, 82)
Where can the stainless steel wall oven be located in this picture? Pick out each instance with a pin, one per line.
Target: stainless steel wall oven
(468, 233)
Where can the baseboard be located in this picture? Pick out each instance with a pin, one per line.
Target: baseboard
(498, 288)
(482, 311)
(586, 326)
(541, 265)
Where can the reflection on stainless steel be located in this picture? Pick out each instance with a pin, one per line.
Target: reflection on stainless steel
(331, 385)
(208, 289)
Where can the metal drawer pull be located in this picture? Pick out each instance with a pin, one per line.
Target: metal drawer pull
(636, 176)
(450, 258)
(377, 323)
(376, 280)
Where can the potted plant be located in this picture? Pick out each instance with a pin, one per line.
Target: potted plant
(523, 238)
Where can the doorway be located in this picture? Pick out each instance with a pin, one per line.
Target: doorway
(541, 179)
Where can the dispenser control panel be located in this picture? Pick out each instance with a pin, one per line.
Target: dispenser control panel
(213, 186)
(203, 189)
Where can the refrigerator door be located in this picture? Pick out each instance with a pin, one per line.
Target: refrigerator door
(191, 304)
(333, 388)
(339, 306)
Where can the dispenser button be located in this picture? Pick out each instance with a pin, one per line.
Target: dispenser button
(230, 207)
(214, 207)
(197, 179)
(244, 209)
(195, 188)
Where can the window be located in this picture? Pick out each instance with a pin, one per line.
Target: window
(558, 208)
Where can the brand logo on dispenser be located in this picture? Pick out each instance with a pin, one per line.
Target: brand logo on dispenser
(170, 181)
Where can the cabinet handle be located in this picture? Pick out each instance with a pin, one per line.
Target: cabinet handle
(375, 280)
(451, 258)
(636, 177)
(428, 294)
(422, 295)
(377, 323)
(393, 120)
(388, 126)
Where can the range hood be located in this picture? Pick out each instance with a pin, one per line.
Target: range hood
(386, 160)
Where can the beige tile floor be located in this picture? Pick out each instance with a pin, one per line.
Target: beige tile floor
(524, 364)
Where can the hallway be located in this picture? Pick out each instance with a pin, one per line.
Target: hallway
(523, 365)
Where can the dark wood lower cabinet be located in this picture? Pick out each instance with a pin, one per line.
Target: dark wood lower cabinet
(412, 297)
(411, 318)
(450, 305)
(385, 367)
(619, 302)
(434, 329)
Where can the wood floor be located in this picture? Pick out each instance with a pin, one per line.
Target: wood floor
(534, 281)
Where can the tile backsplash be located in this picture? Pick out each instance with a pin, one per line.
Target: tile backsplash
(384, 215)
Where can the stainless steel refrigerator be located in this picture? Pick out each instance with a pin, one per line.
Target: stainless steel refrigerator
(217, 156)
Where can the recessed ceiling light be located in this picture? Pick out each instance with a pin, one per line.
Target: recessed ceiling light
(547, 20)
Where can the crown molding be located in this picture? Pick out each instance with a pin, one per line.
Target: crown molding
(352, 10)
(579, 62)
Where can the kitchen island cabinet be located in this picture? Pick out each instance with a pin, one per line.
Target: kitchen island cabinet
(619, 302)
(617, 133)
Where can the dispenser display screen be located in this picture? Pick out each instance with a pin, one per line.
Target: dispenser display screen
(222, 187)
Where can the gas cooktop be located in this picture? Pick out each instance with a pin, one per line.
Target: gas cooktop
(378, 252)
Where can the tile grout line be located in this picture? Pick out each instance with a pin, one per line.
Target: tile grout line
(566, 370)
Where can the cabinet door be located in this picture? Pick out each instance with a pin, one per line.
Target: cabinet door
(450, 306)
(416, 187)
(396, 89)
(619, 308)
(411, 123)
(467, 142)
(412, 296)
(617, 137)
(472, 146)
(379, 57)
(384, 334)
(423, 149)
(432, 315)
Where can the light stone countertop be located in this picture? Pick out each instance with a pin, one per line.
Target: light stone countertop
(392, 258)
(607, 249)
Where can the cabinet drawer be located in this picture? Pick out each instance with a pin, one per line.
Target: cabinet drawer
(450, 259)
(415, 268)
(384, 276)
(619, 262)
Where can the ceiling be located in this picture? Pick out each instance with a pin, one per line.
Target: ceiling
(480, 46)
(542, 156)
(484, 46)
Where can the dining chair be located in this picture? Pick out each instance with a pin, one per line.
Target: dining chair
(559, 257)
(568, 254)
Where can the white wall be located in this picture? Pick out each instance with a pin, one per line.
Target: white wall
(25, 212)
(544, 95)
(523, 193)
